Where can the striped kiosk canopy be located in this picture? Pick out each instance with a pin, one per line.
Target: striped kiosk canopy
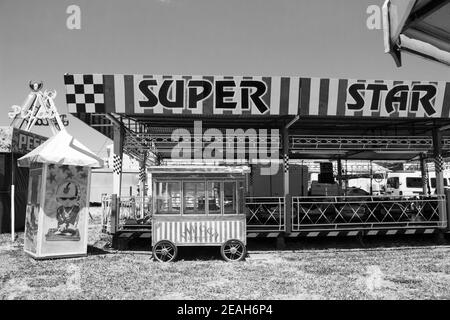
(255, 96)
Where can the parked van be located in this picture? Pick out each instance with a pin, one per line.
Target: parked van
(364, 184)
(409, 183)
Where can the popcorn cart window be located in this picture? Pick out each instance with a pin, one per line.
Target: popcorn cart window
(194, 197)
(214, 198)
(168, 198)
(229, 197)
(241, 195)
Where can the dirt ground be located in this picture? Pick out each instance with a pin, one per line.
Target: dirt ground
(410, 268)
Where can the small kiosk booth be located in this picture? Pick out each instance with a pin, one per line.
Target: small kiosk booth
(58, 197)
(198, 206)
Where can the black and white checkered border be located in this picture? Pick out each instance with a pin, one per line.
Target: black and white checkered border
(142, 174)
(286, 162)
(117, 164)
(438, 163)
(85, 93)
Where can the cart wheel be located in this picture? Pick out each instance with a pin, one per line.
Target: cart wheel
(165, 251)
(233, 250)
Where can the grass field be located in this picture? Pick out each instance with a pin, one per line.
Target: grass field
(320, 271)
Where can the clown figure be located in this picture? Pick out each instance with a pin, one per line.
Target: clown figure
(67, 214)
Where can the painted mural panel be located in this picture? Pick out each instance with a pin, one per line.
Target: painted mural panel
(65, 210)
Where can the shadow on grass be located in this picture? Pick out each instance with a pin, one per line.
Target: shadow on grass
(187, 253)
(205, 253)
(93, 251)
(199, 253)
(369, 242)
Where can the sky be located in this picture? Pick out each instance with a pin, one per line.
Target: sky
(308, 38)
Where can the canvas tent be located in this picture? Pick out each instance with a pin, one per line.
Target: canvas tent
(62, 149)
(420, 27)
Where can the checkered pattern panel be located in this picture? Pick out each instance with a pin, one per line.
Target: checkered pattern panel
(85, 93)
(286, 162)
(438, 163)
(142, 174)
(117, 165)
(251, 175)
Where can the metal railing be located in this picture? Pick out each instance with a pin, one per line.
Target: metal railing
(325, 142)
(324, 213)
(266, 214)
(134, 212)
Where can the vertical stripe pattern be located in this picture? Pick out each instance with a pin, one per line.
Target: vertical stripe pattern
(264, 96)
(199, 232)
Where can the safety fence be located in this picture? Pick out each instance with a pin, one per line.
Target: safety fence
(266, 214)
(357, 212)
(263, 213)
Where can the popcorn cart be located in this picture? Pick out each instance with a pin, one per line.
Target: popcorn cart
(198, 206)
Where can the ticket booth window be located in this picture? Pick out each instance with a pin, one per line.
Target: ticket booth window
(214, 198)
(229, 197)
(168, 197)
(194, 197)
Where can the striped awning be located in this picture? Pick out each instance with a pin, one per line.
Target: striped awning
(251, 96)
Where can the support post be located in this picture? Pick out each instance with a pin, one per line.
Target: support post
(113, 218)
(447, 197)
(117, 166)
(339, 175)
(117, 160)
(13, 197)
(424, 174)
(286, 193)
(143, 180)
(439, 172)
(13, 214)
